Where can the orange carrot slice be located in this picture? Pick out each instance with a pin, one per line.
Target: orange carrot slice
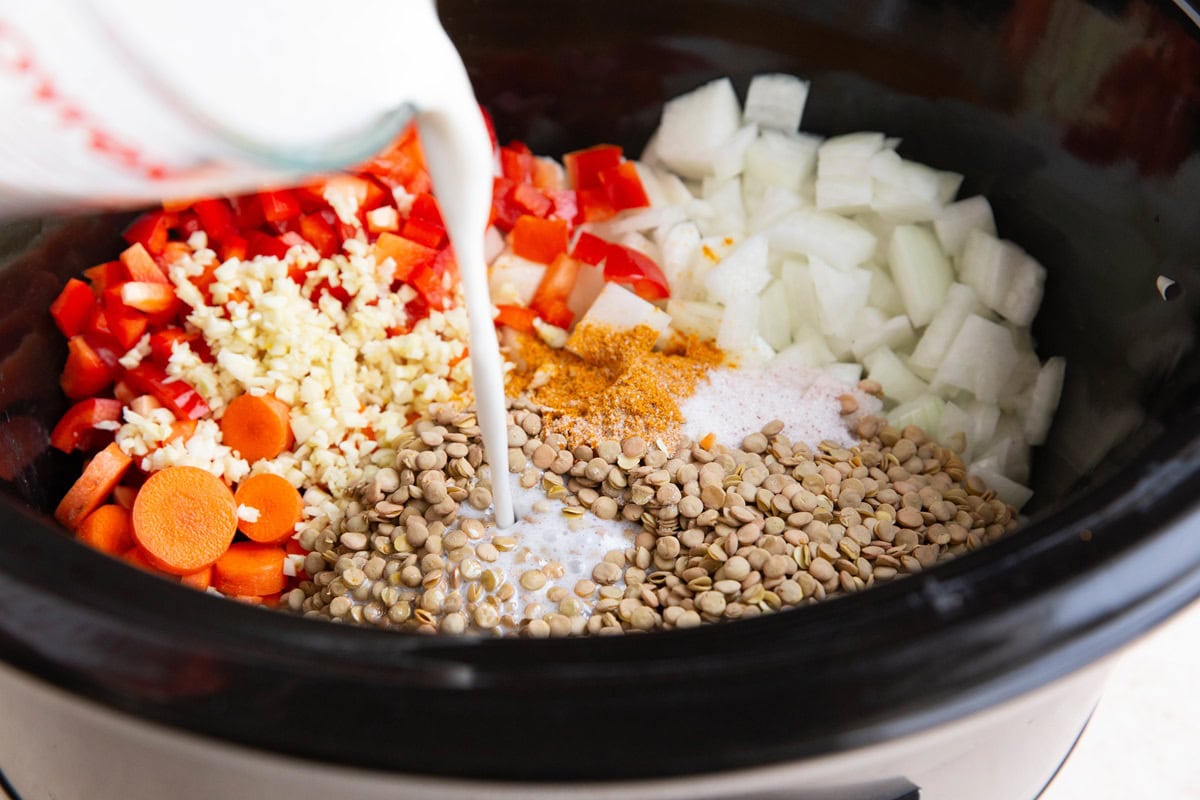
(250, 569)
(257, 427)
(93, 487)
(198, 580)
(278, 504)
(136, 556)
(184, 518)
(107, 529)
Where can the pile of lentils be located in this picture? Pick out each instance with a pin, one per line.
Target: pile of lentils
(726, 533)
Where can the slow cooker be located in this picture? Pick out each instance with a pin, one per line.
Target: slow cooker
(1079, 121)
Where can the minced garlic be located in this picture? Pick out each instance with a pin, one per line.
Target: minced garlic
(350, 378)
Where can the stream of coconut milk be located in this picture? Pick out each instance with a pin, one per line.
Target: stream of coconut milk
(458, 151)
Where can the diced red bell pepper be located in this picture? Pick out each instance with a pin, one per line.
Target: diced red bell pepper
(72, 307)
(338, 293)
(290, 239)
(584, 166)
(594, 205)
(624, 187)
(519, 318)
(234, 246)
(150, 298)
(320, 233)
(425, 207)
(124, 323)
(279, 205)
(430, 283)
(170, 254)
(533, 200)
(104, 346)
(189, 223)
(367, 193)
(85, 373)
(151, 230)
(559, 314)
(423, 232)
(540, 240)
(247, 212)
(446, 262)
(431, 280)
(402, 164)
(627, 266)
(162, 344)
(566, 206)
(260, 244)
(550, 297)
(104, 275)
(141, 266)
(407, 254)
(505, 208)
(77, 428)
(216, 215)
(589, 248)
(183, 401)
(516, 162)
(122, 392)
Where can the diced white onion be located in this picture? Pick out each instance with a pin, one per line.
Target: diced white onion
(841, 294)
(979, 360)
(776, 101)
(775, 319)
(833, 239)
(743, 271)
(935, 341)
(696, 123)
(898, 382)
(779, 159)
(1009, 491)
(1047, 390)
(958, 219)
(921, 271)
(739, 323)
(924, 411)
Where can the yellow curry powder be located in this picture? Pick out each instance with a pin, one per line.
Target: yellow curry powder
(611, 383)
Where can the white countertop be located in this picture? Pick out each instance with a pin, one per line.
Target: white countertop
(1144, 739)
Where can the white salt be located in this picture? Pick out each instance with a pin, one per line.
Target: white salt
(733, 403)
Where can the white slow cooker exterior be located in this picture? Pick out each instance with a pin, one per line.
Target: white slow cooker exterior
(55, 746)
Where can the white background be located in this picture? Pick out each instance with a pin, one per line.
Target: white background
(1144, 739)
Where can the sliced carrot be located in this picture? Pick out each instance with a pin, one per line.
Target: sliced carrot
(107, 529)
(93, 487)
(198, 580)
(257, 427)
(136, 556)
(184, 518)
(278, 504)
(251, 569)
